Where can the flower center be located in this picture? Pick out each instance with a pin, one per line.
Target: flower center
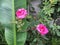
(42, 29)
(21, 12)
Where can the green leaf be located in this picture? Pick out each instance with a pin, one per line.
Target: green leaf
(5, 12)
(20, 4)
(58, 27)
(9, 36)
(7, 16)
(22, 34)
(58, 10)
(58, 32)
(21, 37)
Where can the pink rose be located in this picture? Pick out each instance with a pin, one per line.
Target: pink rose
(42, 29)
(21, 13)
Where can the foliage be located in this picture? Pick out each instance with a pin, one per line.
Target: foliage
(7, 19)
(48, 16)
(23, 32)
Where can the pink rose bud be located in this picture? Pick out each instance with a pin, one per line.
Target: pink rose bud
(42, 29)
(21, 13)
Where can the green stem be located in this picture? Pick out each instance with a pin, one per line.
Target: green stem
(14, 25)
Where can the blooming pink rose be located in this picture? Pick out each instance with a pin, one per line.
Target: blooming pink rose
(42, 29)
(21, 13)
